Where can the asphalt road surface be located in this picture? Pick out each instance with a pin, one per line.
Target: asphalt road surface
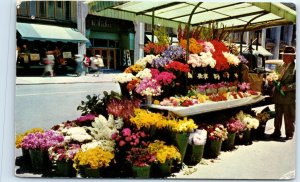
(48, 104)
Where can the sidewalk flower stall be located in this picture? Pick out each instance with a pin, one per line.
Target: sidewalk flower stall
(163, 118)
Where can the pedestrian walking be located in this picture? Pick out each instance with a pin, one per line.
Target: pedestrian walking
(98, 62)
(49, 64)
(86, 64)
(285, 95)
(79, 64)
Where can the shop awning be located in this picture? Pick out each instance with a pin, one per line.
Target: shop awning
(49, 33)
(171, 13)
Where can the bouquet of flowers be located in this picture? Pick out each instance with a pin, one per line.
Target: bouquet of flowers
(176, 66)
(123, 108)
(128, 138)
(140, 156)
(42, 141)
(147, 60)
(148, 87)
(182, 125)
(63, 152)
(217, 132)
(174, 52)
(194, 46)
(134, 68)
(231, 59)
(154, 48)
(235, 126)
(20, 137)
(273, 79)
(106, 145)
(145, 119)
(161, 62)
(94, 158)
(198, 137)
(248, 120)
(164, 152)
(218, 55)
(123, 77)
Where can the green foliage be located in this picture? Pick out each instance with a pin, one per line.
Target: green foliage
(96, 104)
(162, 35)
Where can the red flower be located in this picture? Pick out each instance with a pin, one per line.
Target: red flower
(220, 47)
(177, 66)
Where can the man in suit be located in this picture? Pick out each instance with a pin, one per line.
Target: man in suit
(285, 95)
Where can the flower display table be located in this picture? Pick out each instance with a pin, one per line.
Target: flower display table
(209, 106)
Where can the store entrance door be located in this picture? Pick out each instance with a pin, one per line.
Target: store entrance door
(109, 56)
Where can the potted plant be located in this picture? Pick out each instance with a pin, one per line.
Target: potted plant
(62, 156)
(141, 159)
(90, 162)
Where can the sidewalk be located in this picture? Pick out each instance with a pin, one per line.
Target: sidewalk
(65, 79)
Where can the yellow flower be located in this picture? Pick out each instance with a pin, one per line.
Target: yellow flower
(156, 102)
(134, 69)
(146, 119)
(164, 152)
(182, 125)
(94, 158)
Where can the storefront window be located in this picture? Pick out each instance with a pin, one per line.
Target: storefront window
(59, 10)
(42, 9)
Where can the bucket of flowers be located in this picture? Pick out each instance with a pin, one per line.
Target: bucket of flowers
(148, 87)
(216, 134)
(24, 161)
(262, 117)
(165, 155)
(141, 160)
(250, 123)
(62, 156)
(38, 144)
(233, 127)
(195, 148)
(90, 162)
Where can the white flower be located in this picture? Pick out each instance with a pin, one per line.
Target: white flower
(148, 59)
(200, 76)
(146, 73)
(208, 47)
(123, 77)
(107, 145)
(231, 58)
(236, 75)
(216, 76)
(205, 75)
(190, 75)
(198, 137)
(76, 134)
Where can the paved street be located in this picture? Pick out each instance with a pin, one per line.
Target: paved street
(44, 101)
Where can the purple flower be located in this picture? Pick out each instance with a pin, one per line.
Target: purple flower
(244, 86)
(161, 62)
(174, 52)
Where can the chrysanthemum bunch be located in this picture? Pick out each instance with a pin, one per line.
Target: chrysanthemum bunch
(19, 137)
(164, 152)
(145, 119)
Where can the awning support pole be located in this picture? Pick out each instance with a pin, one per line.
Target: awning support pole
(152, 38)
(242, 35)
(188, 31)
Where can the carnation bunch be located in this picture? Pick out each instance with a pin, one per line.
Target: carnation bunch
(235, 126)
(140, 156)
(154, 48)
(19, 137)
(221, 61)
(148, 87)
(165, 78)
(42, 141)
(164, 152)
(248, 120)
(63, 152)
(94, 158)
(128, 138)
(123, 77)
(177, 67)
(198, 137)
(217, 132)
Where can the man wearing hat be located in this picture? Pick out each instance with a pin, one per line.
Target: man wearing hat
(285, 95)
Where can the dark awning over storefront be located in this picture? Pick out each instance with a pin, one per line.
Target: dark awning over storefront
(49, 33)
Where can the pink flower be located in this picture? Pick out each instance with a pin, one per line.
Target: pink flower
(244, 86)
(121, 143)
(126, 132)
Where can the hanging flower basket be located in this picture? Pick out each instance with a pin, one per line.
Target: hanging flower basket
(228, 144)
(194, 154)
(141, 171)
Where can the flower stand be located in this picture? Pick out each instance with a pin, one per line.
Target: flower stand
(194, 154)
(228, 144)
(39, 160)
(181, 140)
(212, 148)
(141, 172)
(65, 169)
